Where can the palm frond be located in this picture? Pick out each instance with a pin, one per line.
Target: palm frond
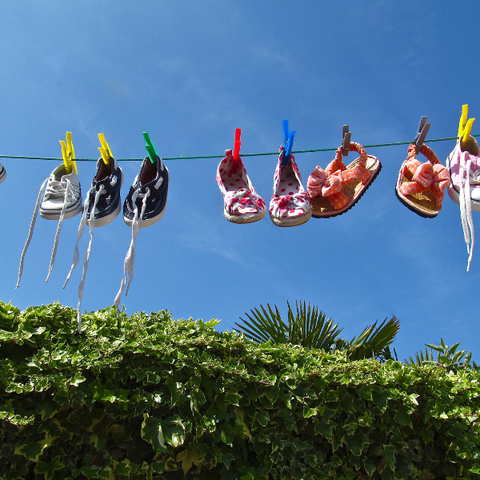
(375, 340)
(264, 325)
(307, 326)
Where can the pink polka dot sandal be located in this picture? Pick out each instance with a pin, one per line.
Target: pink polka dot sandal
(242, 204)
(338, 188)
(290, 205)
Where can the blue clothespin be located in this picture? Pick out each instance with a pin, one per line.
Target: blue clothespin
(152, 152)
(288, 141)
(422, 133)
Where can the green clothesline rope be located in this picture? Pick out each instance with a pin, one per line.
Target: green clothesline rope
(201, 157)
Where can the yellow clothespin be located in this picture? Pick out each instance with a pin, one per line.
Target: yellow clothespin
(465, 127)
(105, 149)
(68, 154)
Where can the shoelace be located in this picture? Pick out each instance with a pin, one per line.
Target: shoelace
(88, 250)
(30, 231)
(67, 189)
(130, 256)
(465, 201)
(55, 189)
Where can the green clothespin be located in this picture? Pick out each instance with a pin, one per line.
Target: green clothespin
(152, 152)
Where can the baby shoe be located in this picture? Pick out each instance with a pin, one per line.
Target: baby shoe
(147, 199)
(102, 205)
(420, 186)
(464, 167)
(338, 188)
(145, 205)
(290, 205)
(242, 204)
(62, 195)
(3, 173)
(104, 195)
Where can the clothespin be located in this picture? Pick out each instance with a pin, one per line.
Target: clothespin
(465, 127)
(68, 154)
(422, 133)
(236, 149)
(237, 143)
(152, 152)
(105, 149)
(346, 136)
(288, 141)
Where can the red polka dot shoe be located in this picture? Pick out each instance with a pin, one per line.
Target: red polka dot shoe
(242, 204)
(290, 205)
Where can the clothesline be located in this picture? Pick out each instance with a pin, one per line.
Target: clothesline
(204, 157)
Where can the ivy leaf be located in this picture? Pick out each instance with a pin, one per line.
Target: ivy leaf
(152, 432)
(262, 417)
(188, 459)
(30, 450)
(48, 468)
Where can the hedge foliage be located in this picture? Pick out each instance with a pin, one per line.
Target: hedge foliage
(167, 399)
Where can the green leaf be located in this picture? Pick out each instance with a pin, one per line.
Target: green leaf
(403, 416)
(369, 466)
(48, 468)
(262, 418)
(30, 450)
(152, 432)
(356, 442)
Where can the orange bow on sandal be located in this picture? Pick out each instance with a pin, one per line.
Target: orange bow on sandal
(338, 188)
(421, 186)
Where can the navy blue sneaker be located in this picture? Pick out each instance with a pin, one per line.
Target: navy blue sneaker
(105, 189)
(147, 199)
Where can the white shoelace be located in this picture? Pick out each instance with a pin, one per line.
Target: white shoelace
(130, 256)
(88, 250)
(30, 231)
(59, 226)
(465, 201)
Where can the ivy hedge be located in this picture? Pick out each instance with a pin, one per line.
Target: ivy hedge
(151, 397)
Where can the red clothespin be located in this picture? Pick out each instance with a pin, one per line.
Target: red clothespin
(237, 143)
(236, 149)
(422, 133)
(346, 136)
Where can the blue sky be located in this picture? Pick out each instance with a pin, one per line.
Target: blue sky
(189, 73)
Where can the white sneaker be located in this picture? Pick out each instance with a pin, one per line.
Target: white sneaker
(62, 188)
(3, 173)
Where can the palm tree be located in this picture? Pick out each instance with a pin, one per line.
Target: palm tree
(309, 327)
(446, 356)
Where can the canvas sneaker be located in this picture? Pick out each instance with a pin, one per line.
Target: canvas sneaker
(104, 195)
(147, 199)
(464, 167)
(63, 194)
(145, 205)
(290, 204)
(3, 173)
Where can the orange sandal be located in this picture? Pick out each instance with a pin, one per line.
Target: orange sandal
(338, 188)
(421, 186)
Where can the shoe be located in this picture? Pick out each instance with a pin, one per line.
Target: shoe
(420, 186)
(106, 186)
(145, 205)
(290, 205)
(464, 168)
(242, 204)
(3, 173)
(62, 199)
(147, 199)
(338, 188)
(63, 194)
